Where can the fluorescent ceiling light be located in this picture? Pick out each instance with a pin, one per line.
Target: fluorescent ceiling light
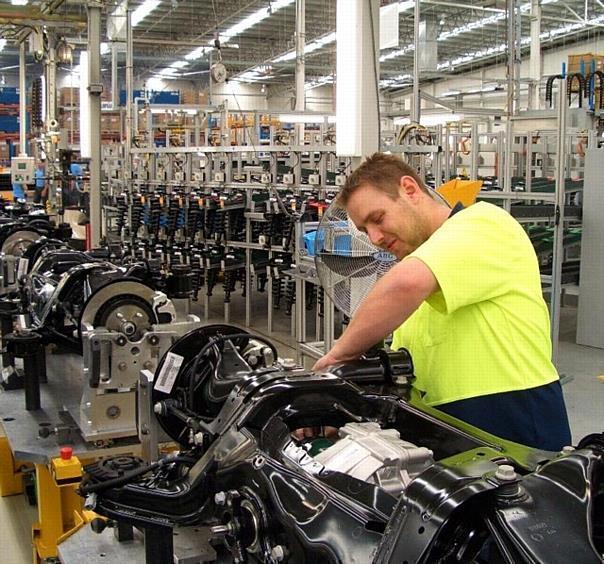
(253, 19)
(167, 72)
(19, 2)
(472, 26)
(261, 72)
(396, 81)
(197, 53)
(238, 29)
(143, 11)
(319, 82)
(525, 41)
(451, 93)
(179, 64)
(2, 44)
(396, 53)
(308, 48)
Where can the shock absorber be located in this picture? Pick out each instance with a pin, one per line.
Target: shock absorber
(26, 350)
(290, 295)
(321, 301)
(310, 295)
(277, 292)
(228, 284)
(242, 278)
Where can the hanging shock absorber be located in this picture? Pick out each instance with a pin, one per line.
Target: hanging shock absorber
(310, 295)
(290, 295)
(227, 285)
(242, 279)
(321, 302)
(26, 350)
(277, 292)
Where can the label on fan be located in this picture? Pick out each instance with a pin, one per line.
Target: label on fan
(19, 363)
(169, 372)
(22, 267)
(384, 256)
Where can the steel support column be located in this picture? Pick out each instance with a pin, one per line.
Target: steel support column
(357, 103)
(300, 71)
(95, 87)
(115, 98)
(535, 59)
(416, 102)
(129, 93)
(558, 250)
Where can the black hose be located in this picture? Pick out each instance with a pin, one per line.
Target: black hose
(549, 86)
(590, 85)
(86, 489)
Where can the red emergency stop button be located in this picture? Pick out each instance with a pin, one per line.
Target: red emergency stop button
(66, 453)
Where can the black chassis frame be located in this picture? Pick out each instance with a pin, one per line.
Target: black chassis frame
(552, 512)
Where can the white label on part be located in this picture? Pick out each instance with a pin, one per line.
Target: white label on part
(22, 268)
(19, 363)
(169, 372)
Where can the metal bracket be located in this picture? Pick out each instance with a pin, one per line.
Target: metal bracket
(147, 424)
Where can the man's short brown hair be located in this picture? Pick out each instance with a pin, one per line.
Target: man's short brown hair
(382, 171)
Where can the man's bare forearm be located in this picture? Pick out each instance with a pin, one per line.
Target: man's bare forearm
(393, 299)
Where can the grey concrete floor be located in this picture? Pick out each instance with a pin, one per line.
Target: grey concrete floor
(580, 366)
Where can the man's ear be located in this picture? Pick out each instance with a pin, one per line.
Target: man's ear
(408, 187)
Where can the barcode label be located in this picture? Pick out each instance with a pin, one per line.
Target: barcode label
(169, 372)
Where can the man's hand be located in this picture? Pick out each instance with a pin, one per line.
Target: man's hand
(325, 361)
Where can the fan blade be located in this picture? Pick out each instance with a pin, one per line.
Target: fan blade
(343, 265)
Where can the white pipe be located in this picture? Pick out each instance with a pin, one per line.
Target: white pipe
(129, 89)
(94, 99)
(417, 103)
(22, 102)
(300, 63)
(558, 250)
(535, 58)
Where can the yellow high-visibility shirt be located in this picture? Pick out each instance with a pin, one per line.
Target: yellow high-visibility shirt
(487, 329)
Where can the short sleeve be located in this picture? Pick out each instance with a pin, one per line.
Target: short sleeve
(472, 256)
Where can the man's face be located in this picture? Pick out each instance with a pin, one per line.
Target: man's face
(393, 224)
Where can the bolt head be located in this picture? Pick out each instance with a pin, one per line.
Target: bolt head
(506, 473)
(278, 553)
